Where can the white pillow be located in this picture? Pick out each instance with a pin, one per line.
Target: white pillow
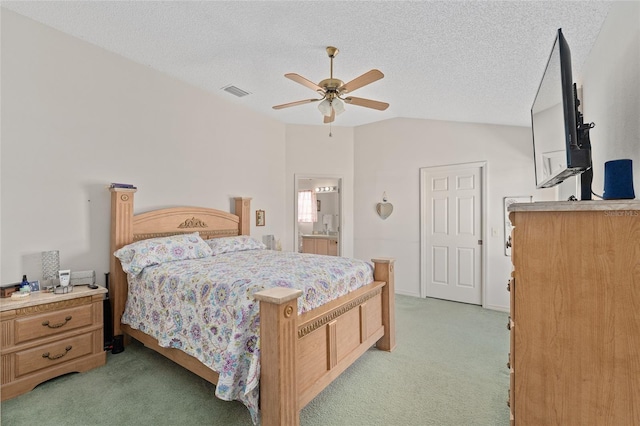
(231, 244)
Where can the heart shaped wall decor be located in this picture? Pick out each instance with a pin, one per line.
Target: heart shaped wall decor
(384, 210)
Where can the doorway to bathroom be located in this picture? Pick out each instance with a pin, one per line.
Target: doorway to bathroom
(318, 215)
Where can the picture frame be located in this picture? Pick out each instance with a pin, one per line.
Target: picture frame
(260, 218)
(318, 205)
(34, 286)
(507, 201)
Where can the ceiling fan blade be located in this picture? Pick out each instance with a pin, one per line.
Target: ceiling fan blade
(363, 80)
(308, 83)
(290, 104)
(367, 103)
(330, 118)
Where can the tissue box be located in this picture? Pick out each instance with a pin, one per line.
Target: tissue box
(82, 277)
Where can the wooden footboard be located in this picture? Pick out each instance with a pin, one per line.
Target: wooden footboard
(300, 354)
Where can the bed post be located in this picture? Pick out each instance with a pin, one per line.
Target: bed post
(243, 211)
(278, 355)
(121, 235)
(383, 271)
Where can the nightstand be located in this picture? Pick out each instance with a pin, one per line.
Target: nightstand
(47, 335)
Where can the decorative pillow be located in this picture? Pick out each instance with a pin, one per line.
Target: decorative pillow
(136, 256)
(231, 244)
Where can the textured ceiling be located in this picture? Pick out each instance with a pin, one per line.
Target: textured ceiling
(473, 61)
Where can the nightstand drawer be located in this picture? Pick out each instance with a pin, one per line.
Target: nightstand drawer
(45, 356)
(54, 322)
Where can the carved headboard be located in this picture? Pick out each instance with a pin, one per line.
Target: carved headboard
(161, 223)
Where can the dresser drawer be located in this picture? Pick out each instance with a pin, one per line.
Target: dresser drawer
(45, 356)
(54, 322)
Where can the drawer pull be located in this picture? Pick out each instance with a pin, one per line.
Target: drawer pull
(52, 358)
(58, 325)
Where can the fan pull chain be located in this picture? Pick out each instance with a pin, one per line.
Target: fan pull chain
(330, 135)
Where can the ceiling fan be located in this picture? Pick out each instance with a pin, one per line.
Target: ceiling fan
(334, 91)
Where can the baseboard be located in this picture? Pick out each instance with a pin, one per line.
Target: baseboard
(406, 293)
(497, 308)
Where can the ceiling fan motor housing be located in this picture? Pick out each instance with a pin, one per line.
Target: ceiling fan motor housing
(331, 85)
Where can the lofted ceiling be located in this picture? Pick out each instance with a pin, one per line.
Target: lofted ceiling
(471, 61)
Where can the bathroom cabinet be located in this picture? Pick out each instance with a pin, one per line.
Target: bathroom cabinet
(320, 244)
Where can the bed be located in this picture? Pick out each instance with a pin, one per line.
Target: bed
(301, 351)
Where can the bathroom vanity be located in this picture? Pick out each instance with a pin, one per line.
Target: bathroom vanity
(320, 244)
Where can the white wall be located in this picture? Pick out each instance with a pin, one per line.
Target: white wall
(611, 92)
(312, 153)
(389, 156)
(76, 117)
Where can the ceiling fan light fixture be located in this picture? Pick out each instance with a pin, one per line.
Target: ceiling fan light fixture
(338, 106)
(325, 107)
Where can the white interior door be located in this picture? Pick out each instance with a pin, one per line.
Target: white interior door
(452, 233)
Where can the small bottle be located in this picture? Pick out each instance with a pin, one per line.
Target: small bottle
(24, 285)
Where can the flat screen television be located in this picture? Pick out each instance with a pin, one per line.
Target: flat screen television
(561, 144)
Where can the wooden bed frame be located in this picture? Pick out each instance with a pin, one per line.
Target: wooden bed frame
(300, 354)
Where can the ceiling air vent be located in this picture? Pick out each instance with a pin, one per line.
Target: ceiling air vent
(235, 91)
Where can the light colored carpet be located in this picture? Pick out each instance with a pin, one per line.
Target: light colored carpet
(449, 368)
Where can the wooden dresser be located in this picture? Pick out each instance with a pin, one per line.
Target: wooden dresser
(47, 335)
(575, 313)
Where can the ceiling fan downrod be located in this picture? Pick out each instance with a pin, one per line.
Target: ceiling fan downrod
(331, 85)
(332, 52)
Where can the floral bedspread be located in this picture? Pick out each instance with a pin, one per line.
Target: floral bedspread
(206, 308)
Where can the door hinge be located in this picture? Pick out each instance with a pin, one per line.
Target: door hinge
(479, 242)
